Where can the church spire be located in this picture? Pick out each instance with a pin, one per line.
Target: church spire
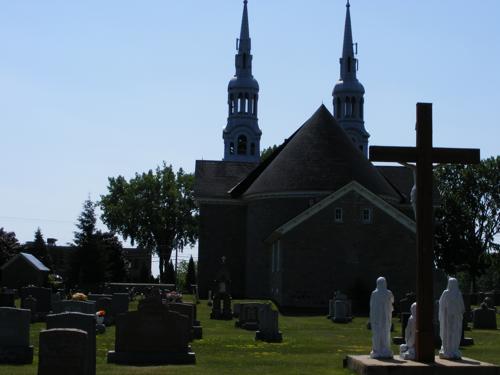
(348, 93)
(242, 134)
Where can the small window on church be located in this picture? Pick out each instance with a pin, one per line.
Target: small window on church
(242, 145)
(231, 148)
(339, 215)
(252, 149)
(366, 215)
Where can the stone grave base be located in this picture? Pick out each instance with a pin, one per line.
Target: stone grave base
(278, 337)
(249, 326)
(221, 316)
(151, 359)
(15, 355)
(364, 365)
(197, 332)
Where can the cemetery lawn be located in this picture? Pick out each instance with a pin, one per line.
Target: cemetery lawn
(311, 345)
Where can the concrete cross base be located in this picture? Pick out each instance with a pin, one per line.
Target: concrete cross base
(364, 365)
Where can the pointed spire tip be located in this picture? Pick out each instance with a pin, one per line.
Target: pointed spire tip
(347, 5)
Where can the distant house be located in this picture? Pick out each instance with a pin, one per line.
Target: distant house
(24, 269)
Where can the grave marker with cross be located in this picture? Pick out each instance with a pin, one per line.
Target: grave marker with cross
(424, 155)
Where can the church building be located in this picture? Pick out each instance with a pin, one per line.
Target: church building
(316, 215)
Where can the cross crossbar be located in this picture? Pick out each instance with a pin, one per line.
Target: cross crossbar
(439, 155)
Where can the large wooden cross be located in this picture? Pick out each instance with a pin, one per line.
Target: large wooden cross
(424, 155)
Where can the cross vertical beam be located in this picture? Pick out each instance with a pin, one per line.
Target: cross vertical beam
(424, 218)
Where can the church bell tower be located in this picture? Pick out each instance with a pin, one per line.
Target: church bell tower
(348, 93)
(242, 134)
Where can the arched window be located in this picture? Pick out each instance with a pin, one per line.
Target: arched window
(255, 104)
(361, 102)
(338, 109)
(247, 104)
(252, 149)
(353, 107)
(231, 148)
(242, 145)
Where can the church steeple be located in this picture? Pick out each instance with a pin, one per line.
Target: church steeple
(348, 93)
(242, 134)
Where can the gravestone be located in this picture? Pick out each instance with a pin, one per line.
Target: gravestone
(221, 305)
(152, 335)
(342, 312)
(119, 303)
(15, 345)
(64, 351)
(7, 298)
(406, 302)
(85, 307)
(249, 315)
(188, 311)
(43, 298)
(268, 326)
(489, 301)
(80, 321)
(236, 309)
(29, 303)
(484, 318)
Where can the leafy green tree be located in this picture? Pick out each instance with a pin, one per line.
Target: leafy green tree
(266, 152)
(38, 248)
(9, 246)
(88, 261)
(190, 274)
(469, 217)
(156, 209)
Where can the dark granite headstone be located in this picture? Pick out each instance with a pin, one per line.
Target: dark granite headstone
(43, 298)
(268, 326)
(187, 309)
(84, 322)
(484, 318)
(119, 303)
(86, 307)
(249, 315)
(152, 335)
(64, 351)
(15, 336)
(7, 299)
(30, 303)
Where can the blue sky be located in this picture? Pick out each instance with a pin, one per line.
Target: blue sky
(91, 89)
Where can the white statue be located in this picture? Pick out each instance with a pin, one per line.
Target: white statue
(381, 308)
(407, 350)
(451, 311)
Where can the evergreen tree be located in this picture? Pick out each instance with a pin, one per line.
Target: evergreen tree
(39, 249)
(111, 250)
(191, 274)
(170, 273)
(88, 261)
(9, 246)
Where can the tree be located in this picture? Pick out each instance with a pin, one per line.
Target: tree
(9, 246)
(468, 220)
(88, 262)
(169, 273)
(190, 274)
(155, 209)
(111, 249)
(38, 248)
(265, 153)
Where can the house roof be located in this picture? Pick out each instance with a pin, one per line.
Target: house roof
(318, 157)
(213, 179)
(351, 186)
(31, 259)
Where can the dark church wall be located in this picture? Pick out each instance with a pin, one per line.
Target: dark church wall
(320, 256)
(222, 233)
(264, 216)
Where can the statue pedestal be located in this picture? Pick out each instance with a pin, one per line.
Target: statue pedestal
(363, 364)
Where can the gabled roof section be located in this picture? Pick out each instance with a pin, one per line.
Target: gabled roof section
(318, 157)
(350, 187)
(213, 179)
(31, 259)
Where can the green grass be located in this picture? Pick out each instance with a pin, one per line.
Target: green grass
(311, 345)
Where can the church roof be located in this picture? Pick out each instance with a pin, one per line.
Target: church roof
(318, 157)
(213, 179)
